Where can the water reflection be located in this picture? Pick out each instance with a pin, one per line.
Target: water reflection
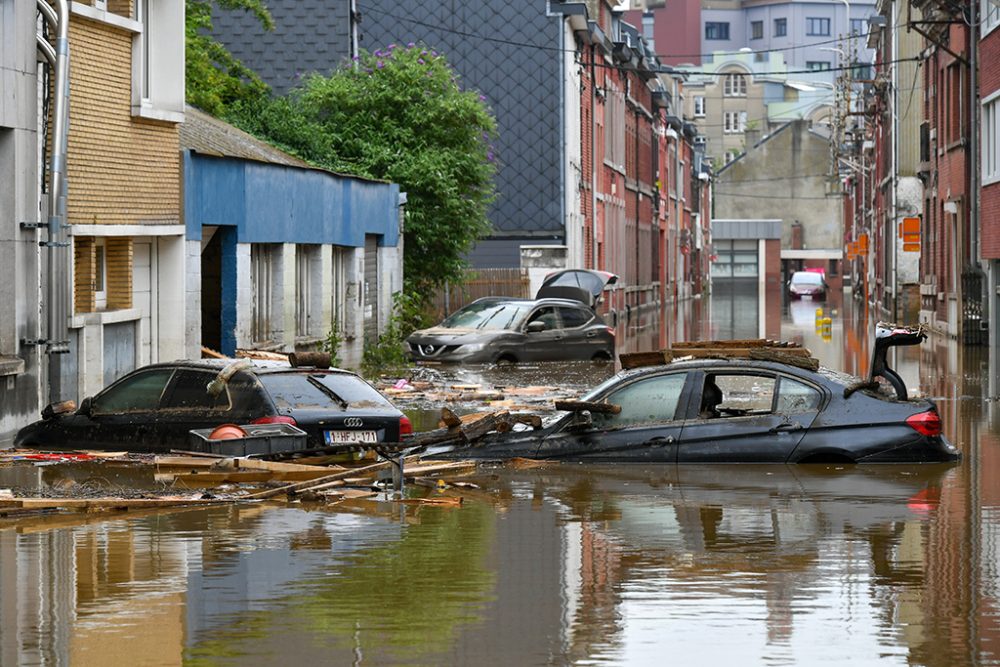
(563, 564)
(605, 565)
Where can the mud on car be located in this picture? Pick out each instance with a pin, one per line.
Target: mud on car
(740, 411)
(155, 408)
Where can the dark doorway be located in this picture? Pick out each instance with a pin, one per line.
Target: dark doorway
(211, 291)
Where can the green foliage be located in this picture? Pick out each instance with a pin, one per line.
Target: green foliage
(214, 78)
(331, 344)
(387, 354)
(397, 114)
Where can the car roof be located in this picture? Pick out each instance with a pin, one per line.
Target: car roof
(257, 366)
(547, 301)
(822, 376)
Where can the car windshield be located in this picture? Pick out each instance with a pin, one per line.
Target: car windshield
(807, 278)
(320, 390)
(490, 315)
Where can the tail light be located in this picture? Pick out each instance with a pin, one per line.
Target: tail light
(925, 423)
(405, 426)
(274, 419)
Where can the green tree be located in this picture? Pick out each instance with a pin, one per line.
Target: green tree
(214, 78)
(398, 114)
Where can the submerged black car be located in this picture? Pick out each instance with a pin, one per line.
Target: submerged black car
(154, 408)
(738, 411)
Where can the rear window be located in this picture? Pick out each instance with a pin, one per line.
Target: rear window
(807, 278)
(298, 391)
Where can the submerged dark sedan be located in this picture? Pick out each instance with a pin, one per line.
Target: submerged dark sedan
(154, 408)
(736, 411)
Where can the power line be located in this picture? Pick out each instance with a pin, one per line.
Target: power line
(527, 45)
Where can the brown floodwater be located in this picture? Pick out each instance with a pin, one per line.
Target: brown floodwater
(564, 564)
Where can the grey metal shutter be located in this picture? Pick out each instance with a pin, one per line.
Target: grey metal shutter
(371, 287)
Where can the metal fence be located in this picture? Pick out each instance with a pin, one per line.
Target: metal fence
(479, 283)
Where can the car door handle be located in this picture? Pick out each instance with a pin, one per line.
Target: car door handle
(786, 427)
(661, 441)
(591, 334)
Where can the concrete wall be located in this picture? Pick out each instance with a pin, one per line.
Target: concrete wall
(21, 367)
(784, 177)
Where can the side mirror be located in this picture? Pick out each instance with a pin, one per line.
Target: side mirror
(86, 407)
(583, 419)
(55, 409)
(535, 327)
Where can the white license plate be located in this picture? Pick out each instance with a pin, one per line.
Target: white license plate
(348, 437)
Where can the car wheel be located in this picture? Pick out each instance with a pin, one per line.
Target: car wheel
(601, 358)
(506, 360)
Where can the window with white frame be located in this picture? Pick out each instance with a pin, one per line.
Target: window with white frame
(991, 139)
(699, 106)
(734, 122)
(100, 274)
(262, 275)
(859, 26)
(735, 85)
(989, 14)
(157, 72)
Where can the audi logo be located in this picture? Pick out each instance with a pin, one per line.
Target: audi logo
(354, 422)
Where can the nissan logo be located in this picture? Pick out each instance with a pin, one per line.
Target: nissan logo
(354, 422)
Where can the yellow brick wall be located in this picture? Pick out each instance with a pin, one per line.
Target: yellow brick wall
(119, 272)
(122, 170)
(121, 7)
(84, 274)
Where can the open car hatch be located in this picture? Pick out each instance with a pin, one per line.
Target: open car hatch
(583, 285)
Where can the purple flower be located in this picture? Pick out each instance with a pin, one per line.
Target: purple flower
(482, 98)
(410, 45)
(434, 53)
(420, 60)
(380, 64)
(489, 156)
(378, 54)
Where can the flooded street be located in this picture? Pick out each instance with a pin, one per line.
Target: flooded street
(562, 564)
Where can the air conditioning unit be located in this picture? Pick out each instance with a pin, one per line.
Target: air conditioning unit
(700, 140)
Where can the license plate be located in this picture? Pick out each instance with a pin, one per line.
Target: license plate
(348, 437)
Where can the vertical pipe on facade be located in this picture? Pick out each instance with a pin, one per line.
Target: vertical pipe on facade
(562, 136)
(594, 179)
(973, 154)
(894, 177)
(57, 286)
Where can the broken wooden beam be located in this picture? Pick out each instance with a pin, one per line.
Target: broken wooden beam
(640, 359)
(579, 406)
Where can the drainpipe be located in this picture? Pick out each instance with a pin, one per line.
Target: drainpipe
(562, 132)
(594, 179)
(894, 152)
(57, 293)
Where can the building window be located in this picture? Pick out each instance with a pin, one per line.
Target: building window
(989, 12)
(734, 122)
(157, 75)
(262, 275)
(861, 72)
(817, 65)
(734, 259)
(818, 26)
(735, 85)
(859, 26)
(614, 136)
(756, 30)
(991, 140)
(307, 291)
(717, 31)
(780, 27)
(699, 106)
(100, 274)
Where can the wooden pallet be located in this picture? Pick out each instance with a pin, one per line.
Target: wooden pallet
(784, 352)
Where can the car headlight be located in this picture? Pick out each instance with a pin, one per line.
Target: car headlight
(471, 347)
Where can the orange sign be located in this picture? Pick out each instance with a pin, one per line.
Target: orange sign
(863, 244)
(909, 231)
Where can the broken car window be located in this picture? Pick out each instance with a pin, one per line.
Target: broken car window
(744, 394)
(795, 397)
(297, 390)
(189, 391)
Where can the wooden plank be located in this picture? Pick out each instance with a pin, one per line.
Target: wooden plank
(450, 419)
(578, 406)
(738, 353)
(108, 503)
(640, 359)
